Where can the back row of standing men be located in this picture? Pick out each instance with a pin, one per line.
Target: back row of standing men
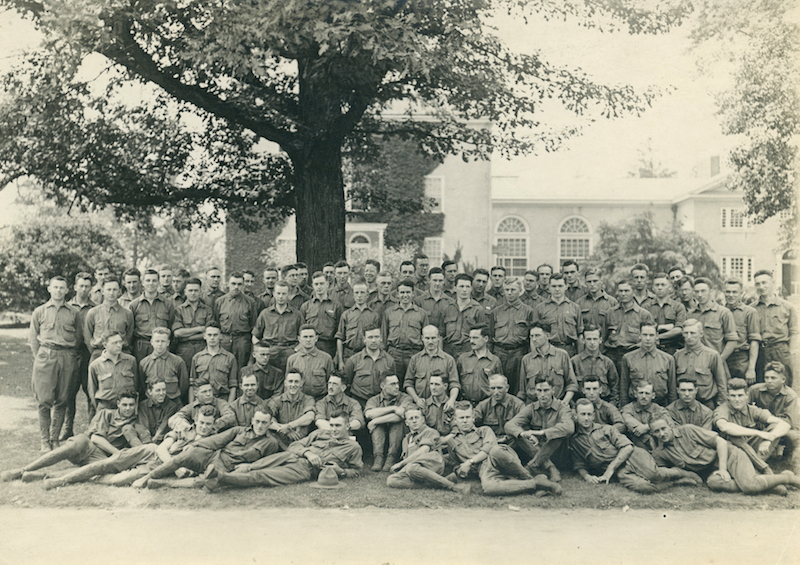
(546, 324)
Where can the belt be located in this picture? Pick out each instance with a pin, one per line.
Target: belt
(771, 342)
(562, 343)
(57, 347)
(236, 334)
(510, 347)
(406, 348)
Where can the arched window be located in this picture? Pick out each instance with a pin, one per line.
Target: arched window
(511, 246)
(358, 249)
(574, 240)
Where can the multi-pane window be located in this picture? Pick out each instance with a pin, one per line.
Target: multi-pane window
(434, 194)
(739, 267)
(511, 244)
(734, 219)
(433, 247)
(574, 240)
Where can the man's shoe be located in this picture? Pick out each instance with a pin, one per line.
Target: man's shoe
(12, 475)
(780, 490)
(794, 480)
(55, 444)
(555, 476)
(377, 465)
(50, 484)
(211, 478)
(32, 476)
(387, 467)
(462, 488)
(141, 483)
(45, 447)
(156, 483)
(545, 485)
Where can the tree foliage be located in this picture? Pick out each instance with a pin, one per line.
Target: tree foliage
(759, 42)
(317, 79)
(640, 240)
(32, 253)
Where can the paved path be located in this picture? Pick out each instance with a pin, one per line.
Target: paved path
(418, 537)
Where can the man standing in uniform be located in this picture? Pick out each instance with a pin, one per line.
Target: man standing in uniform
(648, 363)
(106, 317)
(236, 314)
(132, 278)
(364, 370)
(511, 321)
(596, 303)
(575, 289)
(151, 310)
(498, 274)
(434, 301)
(279, 324)
(82, 303)
(719, 326)
(101, 272)
(270, 278)
(480, 280)
(687, 410)
(421, 266)
(54, 337)
(191, 319)
(342, 292)
(460, 317)
(371, 270)
(315, 365)
(216, 366)
(475, 368)
(383, 296)
(546, 360)
(113, 373)
(590, 363)
(703, 365)
(530, 281)
(161, 365)
(639, 275)
(668, 313)
(562, 315)
(268, 378)
(544, 271)
(213, 290)
(323, 312)
(780, 329)
(429, 362)
(401, 327)
(742, 362)
(623, 326)
(450, 269)
(350, 334)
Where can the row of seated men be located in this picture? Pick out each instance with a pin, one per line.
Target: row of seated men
(253, 442)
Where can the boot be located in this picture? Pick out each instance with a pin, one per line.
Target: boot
(377, 465)
(390, 460)
(44, 428)
(59, 414)
(555, 476)
(545, 485)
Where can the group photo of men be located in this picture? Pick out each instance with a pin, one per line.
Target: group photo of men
(433, 377)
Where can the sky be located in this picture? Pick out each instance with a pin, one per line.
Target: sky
(681, 124)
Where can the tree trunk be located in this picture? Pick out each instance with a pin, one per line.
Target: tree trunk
(319, 190)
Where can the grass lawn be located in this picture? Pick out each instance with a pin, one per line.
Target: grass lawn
(19, 444)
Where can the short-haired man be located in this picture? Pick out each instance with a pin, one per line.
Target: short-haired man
(511, 320)
(563, 316)
(604, 451)
(323, 312)
(668, 313)
(639, 415)
(350, 333)
(575, 289)
(164, 279)
(269, 379)
(203, 397)
(216, 366)
(684, 290)
(303, 282)
(384, 413)
(108, 316)
(342, 292)
(364, 370)
(530, 281)
(544, 272)
(780, 328)
(596, 303)
(151, 310)
(719, 326)
(438, 410)
(686, 409)
(127, 465)
(475, 452)
(371, 270)
(675, 274)
(244, 407)
(427, 363)
(434, 301)
(382, 297)
(249, 282)
(270, 278)
(703, 364)
(648, 363)
(421, 464)
(640, 273)
(335, 402)
(752, 429)
(154, 412)
(774, 395)
(54, 337)
(546, 360)
(590, 363)
(498, 409)
(301, 462)
(292, 410)
(177, 293)
(212, 286)
(102, 271)
(705, 452)
(113, 373)
(742, 362)
(450, 269)
(219, 453)
(82, 303)
(191, 319)
(498, 275)
(460, 316)
(408, 271)
(480, 280)
(401, 326)
(165, 366)
(421, 267)
(109, 432)
(132, 280)
(279, 325)
(475, 368)
(236, 314)
(541, 428)
(623, 324)
(604, 412)
(329, 271)
(315, 365)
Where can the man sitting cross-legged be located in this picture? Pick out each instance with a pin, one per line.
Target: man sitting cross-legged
(705, 452)
(302, 462)
(243, 408)
(639, 414)
(128, 465)
(220, 452)
(422, 464)
(603, 450)
(110, 431)
(604, 412)
(385, 412)
(476, 453)
(203, 396)
(687, 409)
(774, 395)
(156, 410)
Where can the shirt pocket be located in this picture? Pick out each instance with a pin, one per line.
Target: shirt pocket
(703, 375)
(105, 382)
(173, 386)
(162, 319)
(713, 330)
(69, 331)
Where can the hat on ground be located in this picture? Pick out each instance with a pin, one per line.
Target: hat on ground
(328, 478)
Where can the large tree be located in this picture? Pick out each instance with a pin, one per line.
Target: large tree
(317, 79)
